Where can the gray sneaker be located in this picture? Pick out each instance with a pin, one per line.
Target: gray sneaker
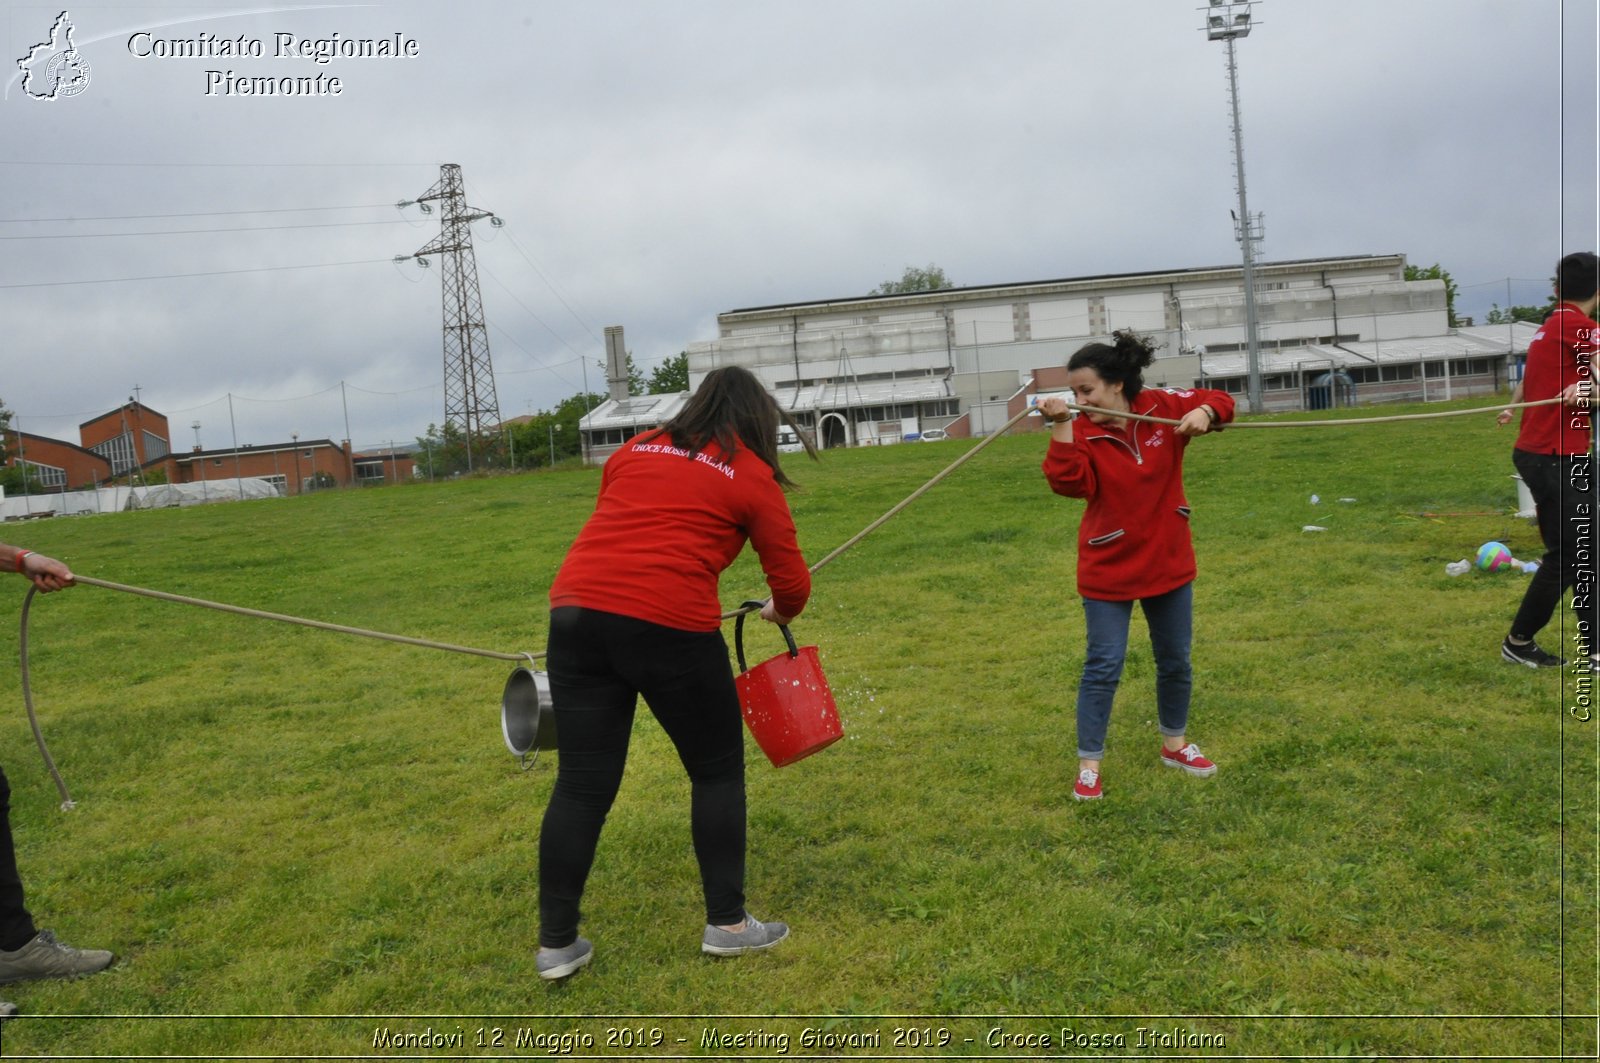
(755, 936)
(558, 963)
(7, 1009)
(45, 957)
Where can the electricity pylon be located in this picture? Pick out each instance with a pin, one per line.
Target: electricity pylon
(470, 402)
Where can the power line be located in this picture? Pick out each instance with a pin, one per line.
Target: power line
(525, 257)
(559, 338)
(222, 165)
(194, 232)
(183, 276)
(199, 214)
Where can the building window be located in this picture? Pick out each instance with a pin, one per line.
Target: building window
(117, 450)
(154, 447)
(47, 475)
(279, 483)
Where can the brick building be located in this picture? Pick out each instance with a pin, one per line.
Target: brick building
(135, 437)
(57, 464)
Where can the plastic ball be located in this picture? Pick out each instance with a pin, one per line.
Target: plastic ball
(1492, 557)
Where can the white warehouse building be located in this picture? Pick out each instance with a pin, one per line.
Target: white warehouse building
(881, 368)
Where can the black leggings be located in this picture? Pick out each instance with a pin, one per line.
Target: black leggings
(1563, 490)
(600, 663)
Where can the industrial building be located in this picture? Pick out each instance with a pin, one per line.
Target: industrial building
(878, 369)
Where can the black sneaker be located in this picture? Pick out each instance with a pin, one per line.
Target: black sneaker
(1529, 654)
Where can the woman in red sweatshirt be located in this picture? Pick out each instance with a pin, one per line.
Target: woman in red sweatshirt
(635, 612)
(1133, 541)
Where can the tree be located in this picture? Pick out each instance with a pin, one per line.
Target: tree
(552, 430)
(444, 451)
(671, 376)
(1436, 273)
(635, 376)
(16, 479)
(1533, 315)
(929, 278)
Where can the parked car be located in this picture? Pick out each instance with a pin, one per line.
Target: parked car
(933, 435)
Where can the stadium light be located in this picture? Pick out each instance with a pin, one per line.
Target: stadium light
(1228, 20)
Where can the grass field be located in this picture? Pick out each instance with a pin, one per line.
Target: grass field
(1397, 856)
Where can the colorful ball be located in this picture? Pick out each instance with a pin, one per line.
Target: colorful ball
(1492, 557)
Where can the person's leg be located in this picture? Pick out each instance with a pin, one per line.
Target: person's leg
(1543, 475)
(16, 925)
(686, 680)
(1106, 625)
(594, 718)
(25, 951)
(1170, 617)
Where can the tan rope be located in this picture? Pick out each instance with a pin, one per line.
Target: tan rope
(1336, 422)
(1126, 415)
(284, 618)
(903, 503)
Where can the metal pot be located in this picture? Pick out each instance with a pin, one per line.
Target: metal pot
(527, 716)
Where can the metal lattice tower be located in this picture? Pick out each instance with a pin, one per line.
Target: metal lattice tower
(470, 402)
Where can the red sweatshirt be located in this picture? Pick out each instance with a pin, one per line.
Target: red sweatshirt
(1134, 539)
(665, 527)
(1559, 354)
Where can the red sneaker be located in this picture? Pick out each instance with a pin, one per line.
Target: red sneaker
(1189, 759)
(1087, 788)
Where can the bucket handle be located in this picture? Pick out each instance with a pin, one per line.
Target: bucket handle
(738, 632)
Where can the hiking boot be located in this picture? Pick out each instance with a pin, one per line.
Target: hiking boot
(559, 963)
(45, 957)
(755, 936)
(1189, 759)
(1087, 788)
(1529, 654)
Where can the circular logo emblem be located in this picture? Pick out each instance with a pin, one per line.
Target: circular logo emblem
(67, 73)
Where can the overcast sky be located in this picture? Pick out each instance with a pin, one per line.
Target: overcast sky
(656, 163)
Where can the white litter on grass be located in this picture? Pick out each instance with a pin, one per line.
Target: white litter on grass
(1458, 568)
(1313, 527)
(1315, 500)
(1347, 500)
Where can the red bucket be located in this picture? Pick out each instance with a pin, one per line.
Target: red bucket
(786, 701)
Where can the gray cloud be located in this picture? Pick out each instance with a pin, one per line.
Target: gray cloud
(659, 163)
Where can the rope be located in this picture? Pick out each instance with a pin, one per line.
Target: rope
(284, 618)
(67, 803)
(66, 798)
(1337, 422)
(919, 492)
(902, 504)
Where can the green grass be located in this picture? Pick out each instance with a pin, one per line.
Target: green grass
(278, 821)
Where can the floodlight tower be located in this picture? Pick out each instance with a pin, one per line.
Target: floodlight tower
(470, 402)
(1228, 20)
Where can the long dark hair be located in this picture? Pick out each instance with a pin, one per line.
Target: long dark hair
(1121, 362)
(733, 409)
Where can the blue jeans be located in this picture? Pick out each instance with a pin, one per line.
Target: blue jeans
(1170, 617)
